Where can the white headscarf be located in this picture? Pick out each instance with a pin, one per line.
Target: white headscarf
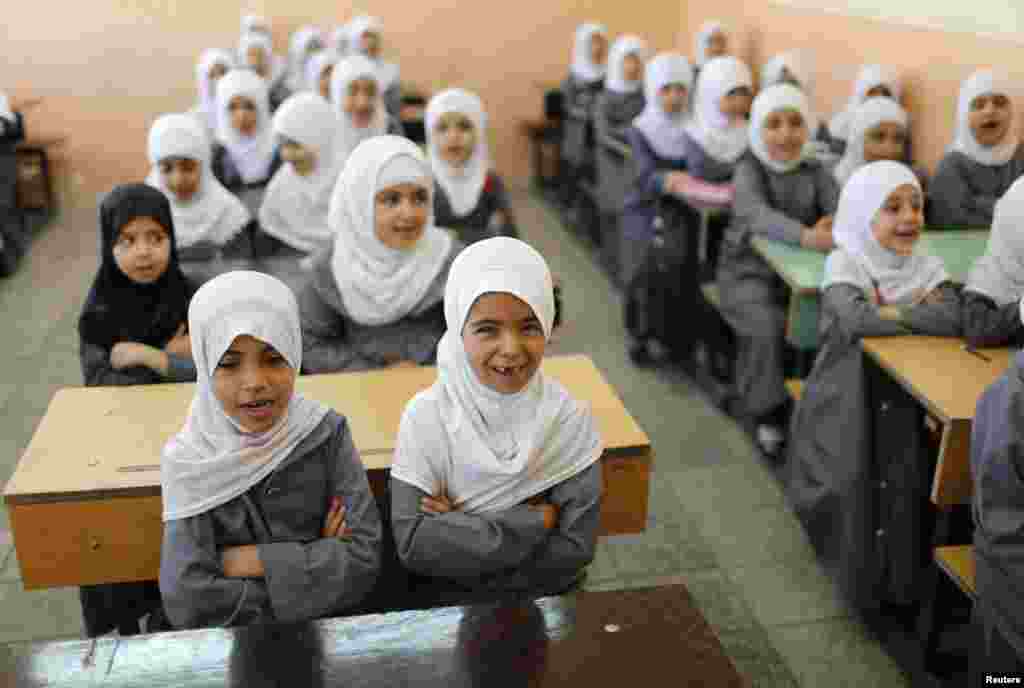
(5, 108)
(620, 50)
(867, 116)
(340, 41)
(800, 64)
(300, 43)
(489, 451)
(294, 206)
(254, 154)
(254, 23)
(346, 71)
(378, 284)
(206, 109)
(665, 133)
(461, 185)
(213, 460)
(707, 31)
(984, 82)
(899, 280)
(315, 66)
(387, 72)
(277, 67)
(869, 77)
(772, 99)
(583, 68)
(213, 214)
(710, 127)
(999, 274)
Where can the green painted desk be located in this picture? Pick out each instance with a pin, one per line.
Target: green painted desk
(803, 271)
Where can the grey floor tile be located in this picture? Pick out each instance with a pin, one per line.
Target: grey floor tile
(836, 653)
(789, 592)
(39, 614)
(714, 488)
(755, 658)
(664, 549)
(9, 569)
(750, 536)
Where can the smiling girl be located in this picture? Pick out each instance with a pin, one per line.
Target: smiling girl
(356, 97)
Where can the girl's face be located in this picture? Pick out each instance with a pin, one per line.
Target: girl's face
(142, 250)
(718, 45)
(899, 222)
(257, 60)
(456, 138)
(360, 102)
(632, 68)
(253, 383)
(785, 134)
(400, 215)
(504, 341)
(244, 116)
(181, 176)
(324, 84)
(302, 159)
(672, 98)
(598, 49)
(736, 105)
(990, 118)
(371, 43)
(885, 141)
(879, 91)
(216, 72)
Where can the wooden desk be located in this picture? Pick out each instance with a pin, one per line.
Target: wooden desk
(593, 639)
(947, 381)
(803, 271)
(84, 501)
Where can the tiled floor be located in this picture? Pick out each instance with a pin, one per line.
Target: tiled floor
(718, 521)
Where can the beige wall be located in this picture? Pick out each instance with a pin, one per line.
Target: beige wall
(109, 67)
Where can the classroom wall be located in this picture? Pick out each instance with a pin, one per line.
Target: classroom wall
(933, 62)
(109, 67)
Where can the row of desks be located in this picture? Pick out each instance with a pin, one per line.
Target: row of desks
(84, 501)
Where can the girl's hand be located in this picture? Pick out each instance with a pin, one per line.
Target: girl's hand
(550, 512)
(889, 313)
(129, 355)
(404, 363)
(242, 562)
(676, 182)
(180, 344)
(819, 237)
(436, 505)
(334, 522)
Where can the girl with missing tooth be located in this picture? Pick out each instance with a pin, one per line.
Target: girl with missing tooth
(496, 479)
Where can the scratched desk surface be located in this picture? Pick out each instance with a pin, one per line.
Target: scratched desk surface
(595, 639)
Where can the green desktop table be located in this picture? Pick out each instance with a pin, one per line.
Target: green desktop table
(803, 271)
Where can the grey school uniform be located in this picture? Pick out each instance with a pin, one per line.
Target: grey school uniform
(963, 193)
(987, 324)
(579, 98)
(614, 113)
(777, 206)
(467, 558)
(848, 496)
(13, 237)
(476, 225)
(997, 440)
(332, 342)
(307, 576)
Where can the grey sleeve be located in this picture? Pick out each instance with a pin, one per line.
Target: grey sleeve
(942, 319)
(752, 210)
(393, 99)
(987, 324)
(329, 575)
(325, 348)
(846, 306)
(195, 592)
(424, 334)
(395, 126)
(180, 369)
(97, 371)
(458, 545)
(828, 191)
(571, 546)
(951, 201)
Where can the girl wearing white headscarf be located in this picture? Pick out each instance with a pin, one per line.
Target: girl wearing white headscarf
(995, 285)
(832, 479)
(347, 72)
(973, 176)
(206, 109)
(719, 141)
(370, 305)
(872, 81)
(580, 90)
(274, 69)
(387, 72)
(319, 69)
(470, 198)
(497, 460)
(340, 41)
(784, 200)
(213, 220)
(251, 518)
(239, 161)
(864, 121)
(796, 67)
(702, 50)
(304, 43)
(622, 99)
(295, 206)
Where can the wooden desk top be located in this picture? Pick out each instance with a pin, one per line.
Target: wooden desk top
(593, 639)
(803, 270)
(938, 372)
(90, 437)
